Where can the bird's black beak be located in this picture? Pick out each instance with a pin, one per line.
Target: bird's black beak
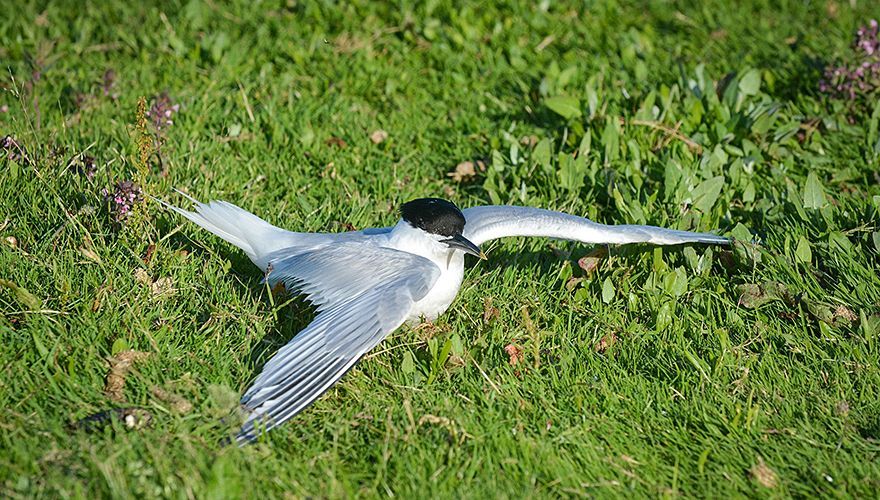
(460, 242)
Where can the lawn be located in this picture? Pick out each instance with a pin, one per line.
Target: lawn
(558, 371)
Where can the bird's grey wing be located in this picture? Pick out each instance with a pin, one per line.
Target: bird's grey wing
(498, 221)
(363, 293)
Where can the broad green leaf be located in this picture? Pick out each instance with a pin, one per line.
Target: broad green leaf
(498, 163)
(706, 193)
(119, 345)
(408, 365)
(565, 106)
(22, 295)
(664, 316)
(586, 140)
(741, 232)
(803, 253)
(611, 139)
(607, 290)
(571, 171)
(676, 282)
(839, 242)
(750, 83)
(690, 255)
(541, 154)
(41, 348)
(307, 137)
(749, 193)
(814, 194)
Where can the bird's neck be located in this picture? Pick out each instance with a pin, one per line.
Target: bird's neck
(406, 238)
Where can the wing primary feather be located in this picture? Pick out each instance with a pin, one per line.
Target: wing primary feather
(497, 221)
(358, 304)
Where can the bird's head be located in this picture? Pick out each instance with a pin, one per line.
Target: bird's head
(442, 222)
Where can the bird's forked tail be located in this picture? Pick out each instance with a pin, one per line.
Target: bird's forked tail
(243, 229)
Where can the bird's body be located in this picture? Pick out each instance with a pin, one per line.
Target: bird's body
(367, 283)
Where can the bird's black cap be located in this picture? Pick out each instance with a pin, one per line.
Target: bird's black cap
(434, 216)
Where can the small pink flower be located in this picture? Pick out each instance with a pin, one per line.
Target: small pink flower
(124, 196)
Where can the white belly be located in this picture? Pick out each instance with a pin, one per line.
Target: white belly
(436, 301)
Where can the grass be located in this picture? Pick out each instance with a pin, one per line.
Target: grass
(675, 371)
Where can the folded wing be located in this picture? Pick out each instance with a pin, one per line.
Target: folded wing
(498, 221)
(363, 293)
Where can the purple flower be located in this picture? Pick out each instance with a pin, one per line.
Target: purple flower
(860, 75)
(12, 150)
(124, 196)
(162, 111)
(84, 164)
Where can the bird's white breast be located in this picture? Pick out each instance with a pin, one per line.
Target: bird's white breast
(436, 301)
(451, 264)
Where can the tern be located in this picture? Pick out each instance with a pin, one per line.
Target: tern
(365, 284)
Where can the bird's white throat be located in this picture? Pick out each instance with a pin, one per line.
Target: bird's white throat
(409, 239)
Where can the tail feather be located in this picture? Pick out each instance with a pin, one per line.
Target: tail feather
(237, 226)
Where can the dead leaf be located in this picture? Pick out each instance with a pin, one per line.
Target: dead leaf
(846, 313)
(753, 295)
(119, 368)
(455, 361)
(142, 276)
(590, 262)
(102, 292)
(336, 141)
(149, 255)
(455, 431)
(490, 312)
(42, 19)
(515, 352)
(832, 8)
(177, 403)
(378, 136)
(162, 286)
(463, 172)
(572, 283)
(427, 330)
(545, 43)
(90, 254)
(606, 342)
(11, 241)
(279, 289)
(347, 226)
(529, 140)
(764, 475)
(435, 420)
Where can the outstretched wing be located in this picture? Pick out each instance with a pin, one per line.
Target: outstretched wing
(498, 221)
(363, 293)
